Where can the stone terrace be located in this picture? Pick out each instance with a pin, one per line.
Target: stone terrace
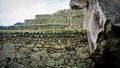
(63, 19)
(66, 49)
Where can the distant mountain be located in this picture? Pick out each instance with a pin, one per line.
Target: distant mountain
(18, 24)
(3, 28)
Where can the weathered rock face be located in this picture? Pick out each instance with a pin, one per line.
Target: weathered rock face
(103, 29)
(103, 25)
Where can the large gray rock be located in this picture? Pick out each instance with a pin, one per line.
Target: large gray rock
(50, 63)
(82, 53)
(14, 65)
(102, 17)
(40, 56)
(56, 55)
(7, 50)
(102, 22)
(78, 4)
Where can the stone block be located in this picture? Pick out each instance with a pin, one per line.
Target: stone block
(57, 46)
(40, 56)
(24, 50)
(84, 55)
(56, 55)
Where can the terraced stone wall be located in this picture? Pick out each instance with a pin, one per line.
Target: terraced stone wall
(63, 19)
(43, 19)
(29, 21)
(66, 49)
(77, 18)
(39, 27)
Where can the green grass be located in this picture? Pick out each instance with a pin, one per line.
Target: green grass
(61, 24)
(47, 30)
(7, 31)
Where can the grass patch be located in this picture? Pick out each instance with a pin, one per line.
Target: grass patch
(45, 30)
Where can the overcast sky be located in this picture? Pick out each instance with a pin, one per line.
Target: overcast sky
(12, 11)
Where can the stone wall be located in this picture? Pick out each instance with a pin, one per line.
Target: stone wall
(64, 19)
(29, 21)
(66, 49)
(39, 27)
(77, 18)
(43, 19)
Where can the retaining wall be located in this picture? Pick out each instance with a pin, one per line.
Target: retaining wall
(47, 50)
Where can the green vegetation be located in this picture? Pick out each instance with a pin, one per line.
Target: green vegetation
(46, 24)
(48, 30)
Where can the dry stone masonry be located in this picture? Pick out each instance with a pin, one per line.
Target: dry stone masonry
(61, 49)
(63, 19)
(66, 49)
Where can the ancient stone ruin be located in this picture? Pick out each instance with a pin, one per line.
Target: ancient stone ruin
(95, 47)
(63, 19)
(34, 50)
(47, 49)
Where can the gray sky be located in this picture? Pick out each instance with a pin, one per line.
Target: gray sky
(12, 11)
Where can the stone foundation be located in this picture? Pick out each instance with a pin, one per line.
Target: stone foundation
(46, 50)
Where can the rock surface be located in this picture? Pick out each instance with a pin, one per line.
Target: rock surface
(103, 28)
(6, 51)
(103, 22)
(51, 50)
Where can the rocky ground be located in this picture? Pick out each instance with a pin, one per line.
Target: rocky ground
(45, 50)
